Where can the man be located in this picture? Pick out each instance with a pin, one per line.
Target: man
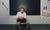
(21, 17)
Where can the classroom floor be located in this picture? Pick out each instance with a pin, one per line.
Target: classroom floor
(32, 27)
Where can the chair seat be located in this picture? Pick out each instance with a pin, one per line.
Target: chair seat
(22, 23)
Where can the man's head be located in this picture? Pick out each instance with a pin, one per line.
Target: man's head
(22, 10)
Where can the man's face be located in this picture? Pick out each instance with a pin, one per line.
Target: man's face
(22, 10)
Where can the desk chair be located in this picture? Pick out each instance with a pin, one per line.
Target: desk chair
(21, 26)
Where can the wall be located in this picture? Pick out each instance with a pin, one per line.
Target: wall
(4, 12)
(6, 19)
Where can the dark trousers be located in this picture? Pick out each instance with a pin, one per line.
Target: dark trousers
(23, 26)
(21, 20)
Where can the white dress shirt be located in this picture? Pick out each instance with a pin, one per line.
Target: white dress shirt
(19, 14)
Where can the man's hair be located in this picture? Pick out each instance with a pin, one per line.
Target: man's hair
(22, 8)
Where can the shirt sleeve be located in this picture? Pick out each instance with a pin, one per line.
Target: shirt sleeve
(24, 15)
(17, 15)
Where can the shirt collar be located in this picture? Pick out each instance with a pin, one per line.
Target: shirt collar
(21, 12)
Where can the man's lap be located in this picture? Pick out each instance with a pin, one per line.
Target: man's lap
(21, 20)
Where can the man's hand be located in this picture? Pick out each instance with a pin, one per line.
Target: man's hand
(20, 18)
(23, 18)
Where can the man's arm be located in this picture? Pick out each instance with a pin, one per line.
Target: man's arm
(17, 16)
(24, 16)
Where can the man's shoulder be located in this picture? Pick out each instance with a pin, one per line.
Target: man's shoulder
(25, 12)
(18, 12)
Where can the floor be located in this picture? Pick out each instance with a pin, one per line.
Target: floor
(32, 27)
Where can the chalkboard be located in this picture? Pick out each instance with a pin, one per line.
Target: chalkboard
(32, 7)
